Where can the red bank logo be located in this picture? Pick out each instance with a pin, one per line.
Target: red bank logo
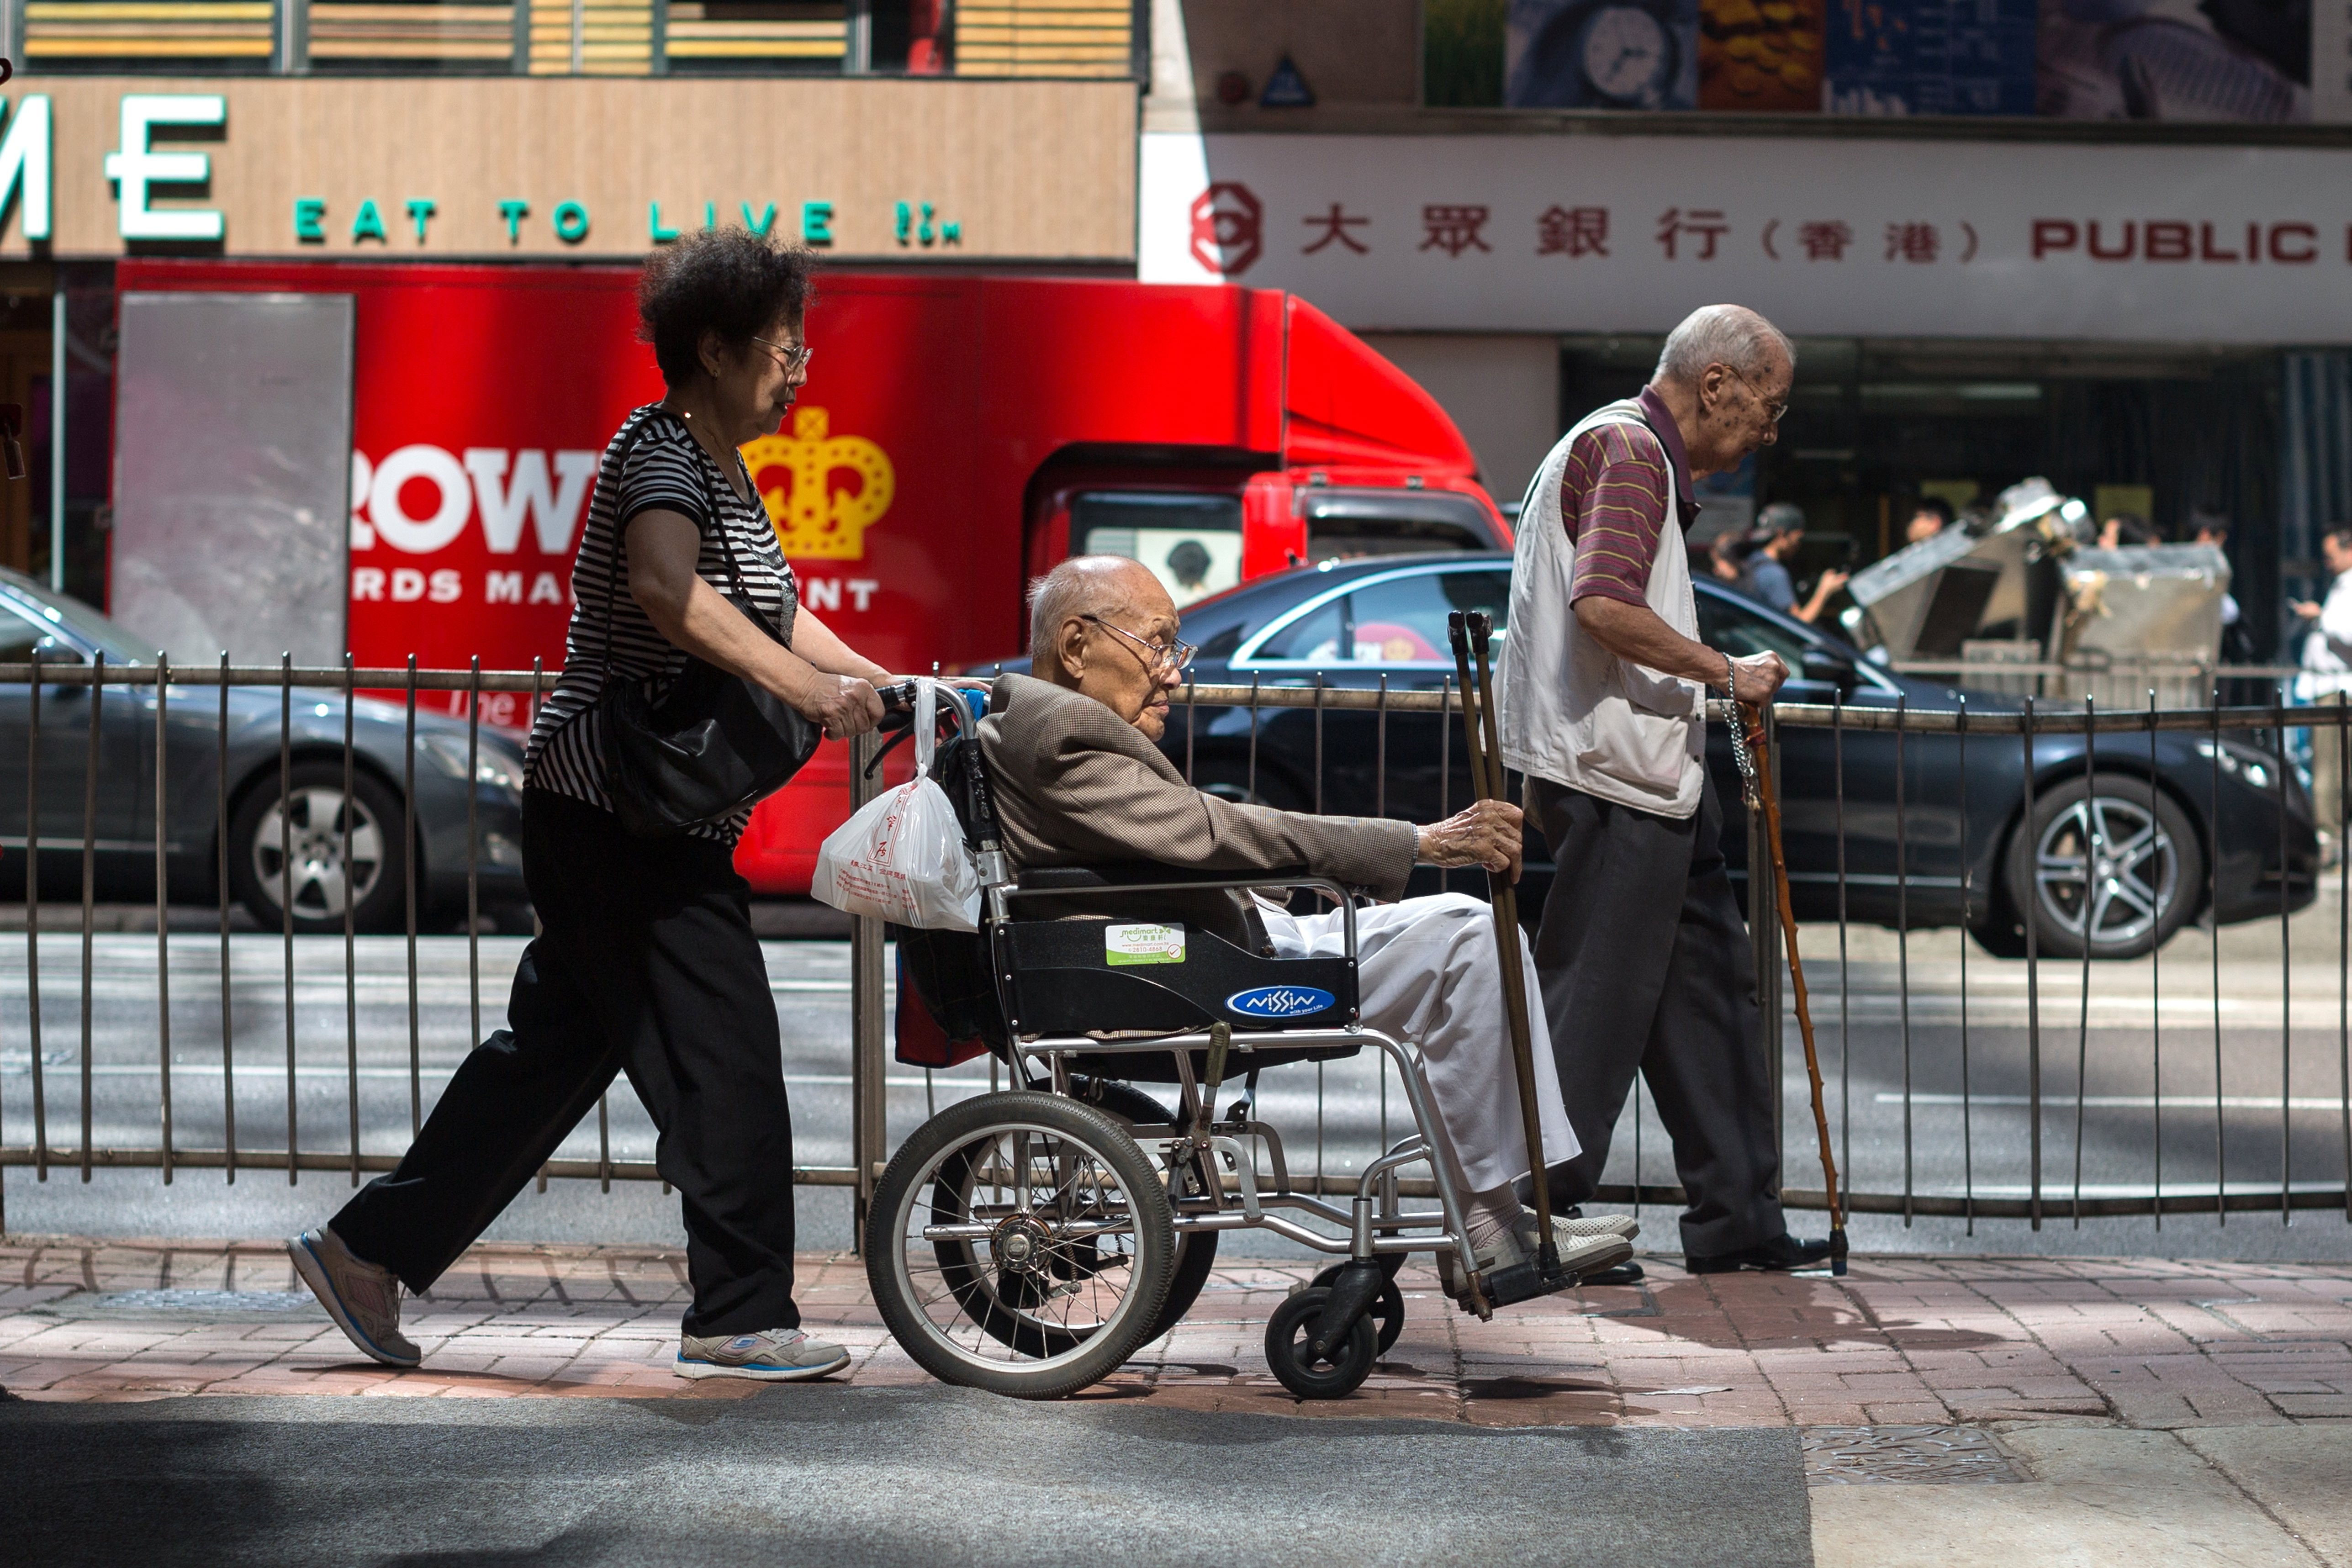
(1228, 228)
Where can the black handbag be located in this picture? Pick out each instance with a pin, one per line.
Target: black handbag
(712, 743)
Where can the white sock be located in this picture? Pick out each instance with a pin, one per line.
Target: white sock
(1492, 1215)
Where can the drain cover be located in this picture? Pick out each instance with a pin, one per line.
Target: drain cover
(1863, 1456)
(214, 1306)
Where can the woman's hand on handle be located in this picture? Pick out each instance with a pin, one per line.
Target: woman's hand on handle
(842, 706)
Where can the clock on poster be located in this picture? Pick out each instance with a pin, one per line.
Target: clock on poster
(1602, 54)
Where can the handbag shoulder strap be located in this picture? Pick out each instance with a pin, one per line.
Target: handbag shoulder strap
(703, 521)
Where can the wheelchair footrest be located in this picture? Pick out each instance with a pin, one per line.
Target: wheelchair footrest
(1524, 1282)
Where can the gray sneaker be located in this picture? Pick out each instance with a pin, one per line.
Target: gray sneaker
(775, 1356)
(363, 1298)
(1578, 1255)
(1623, 1225)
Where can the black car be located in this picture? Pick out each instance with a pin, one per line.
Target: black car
(1350, 623)
(68, 631)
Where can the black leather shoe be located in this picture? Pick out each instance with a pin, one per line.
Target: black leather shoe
(1621, 1274)
(1781, 1253)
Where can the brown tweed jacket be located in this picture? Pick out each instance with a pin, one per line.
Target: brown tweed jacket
(1076, 785)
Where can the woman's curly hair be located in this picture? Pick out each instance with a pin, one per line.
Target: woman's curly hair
(730, 281)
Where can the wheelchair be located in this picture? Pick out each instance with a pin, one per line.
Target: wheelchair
(1030, 1241)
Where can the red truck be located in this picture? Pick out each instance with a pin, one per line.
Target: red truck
(957, 435)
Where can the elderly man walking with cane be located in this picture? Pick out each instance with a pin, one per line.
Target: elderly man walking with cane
(1644, 960)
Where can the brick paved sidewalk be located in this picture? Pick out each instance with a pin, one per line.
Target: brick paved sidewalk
(1901, 1341)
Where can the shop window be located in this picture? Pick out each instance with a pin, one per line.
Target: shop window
(1045, 38)
(756, 35)
(206, 35)
(591, 37)
(423, 36)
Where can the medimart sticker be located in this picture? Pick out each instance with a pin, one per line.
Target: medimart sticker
(1143, 945)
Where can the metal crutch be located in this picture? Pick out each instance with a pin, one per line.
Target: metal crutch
(1522, 1281)
(1756, 781)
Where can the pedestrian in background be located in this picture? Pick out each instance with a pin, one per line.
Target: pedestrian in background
(646, 962)
(1931, 516)
(1782, 526)
(1644, 960)
(2326, 678)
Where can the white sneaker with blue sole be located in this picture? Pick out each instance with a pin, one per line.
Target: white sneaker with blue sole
(773, 1355)
(362, 1297)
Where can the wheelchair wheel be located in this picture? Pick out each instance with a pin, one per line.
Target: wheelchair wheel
(1196, 1250)
(1020, 1243)
(1387, 1311)
(1290, 1332)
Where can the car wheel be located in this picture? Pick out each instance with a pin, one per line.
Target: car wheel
(313, 815)
(2114, 870)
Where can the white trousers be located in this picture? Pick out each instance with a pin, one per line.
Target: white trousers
(1427, 974)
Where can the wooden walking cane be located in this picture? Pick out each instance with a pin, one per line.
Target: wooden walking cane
(1523, 1282)
(1756, 779)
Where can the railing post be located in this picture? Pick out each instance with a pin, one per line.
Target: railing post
(867, 1090)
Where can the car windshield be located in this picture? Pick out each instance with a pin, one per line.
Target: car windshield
(1726, 623)
(79, 620)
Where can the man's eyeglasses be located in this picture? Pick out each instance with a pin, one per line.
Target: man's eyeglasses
(1776, 409)
(1162, 655)
(795, 356)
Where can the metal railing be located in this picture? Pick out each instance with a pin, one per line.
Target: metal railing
(2177, 1088)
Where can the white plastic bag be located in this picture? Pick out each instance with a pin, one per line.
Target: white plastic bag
(901, 856)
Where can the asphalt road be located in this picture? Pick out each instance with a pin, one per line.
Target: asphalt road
(2146, 1043)
(925, 1477)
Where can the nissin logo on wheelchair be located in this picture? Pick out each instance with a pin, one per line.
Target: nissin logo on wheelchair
(1279, 1001)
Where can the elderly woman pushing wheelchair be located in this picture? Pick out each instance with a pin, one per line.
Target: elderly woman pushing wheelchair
(1080, 780)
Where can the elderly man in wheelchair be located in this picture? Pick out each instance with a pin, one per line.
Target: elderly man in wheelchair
(1030, 1242)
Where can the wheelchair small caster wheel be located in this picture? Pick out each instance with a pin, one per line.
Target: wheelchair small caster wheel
(1289, 1341)
(1387, 1310)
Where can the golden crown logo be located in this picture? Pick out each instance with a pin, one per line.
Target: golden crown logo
(821, 491)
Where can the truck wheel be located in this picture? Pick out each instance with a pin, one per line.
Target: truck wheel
(2113, 871)
(320, 878)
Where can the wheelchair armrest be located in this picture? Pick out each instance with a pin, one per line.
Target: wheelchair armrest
(1131, 874)
(1046, 882)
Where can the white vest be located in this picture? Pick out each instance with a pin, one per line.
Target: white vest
(1571, 711)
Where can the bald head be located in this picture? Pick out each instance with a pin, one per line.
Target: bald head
(1111, 586)
(1103, 625)
(1729, 335)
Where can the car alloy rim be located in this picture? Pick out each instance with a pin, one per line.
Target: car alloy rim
(322, 879)
(2114, 857)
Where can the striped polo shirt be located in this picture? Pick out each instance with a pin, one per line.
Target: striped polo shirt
(654, 462)
(1613, 501)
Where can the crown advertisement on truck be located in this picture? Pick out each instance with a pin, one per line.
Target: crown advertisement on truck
(956, 437)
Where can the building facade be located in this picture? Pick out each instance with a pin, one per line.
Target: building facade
(1992, 270)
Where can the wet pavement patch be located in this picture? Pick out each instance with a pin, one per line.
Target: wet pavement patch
(1873, 1455)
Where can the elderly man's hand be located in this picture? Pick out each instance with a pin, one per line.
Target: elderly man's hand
(1488, 834)
(1755, 679)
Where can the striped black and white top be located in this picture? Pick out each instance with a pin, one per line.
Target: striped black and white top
(653, 462)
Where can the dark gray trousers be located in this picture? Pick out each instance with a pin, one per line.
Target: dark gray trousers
(1645, 965)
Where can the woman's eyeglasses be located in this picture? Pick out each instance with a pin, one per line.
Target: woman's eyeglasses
(795, 356)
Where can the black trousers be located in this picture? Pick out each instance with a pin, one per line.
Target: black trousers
(1645, 965)
(646, 964)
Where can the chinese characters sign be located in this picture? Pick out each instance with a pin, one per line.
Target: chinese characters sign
(1629, 233)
